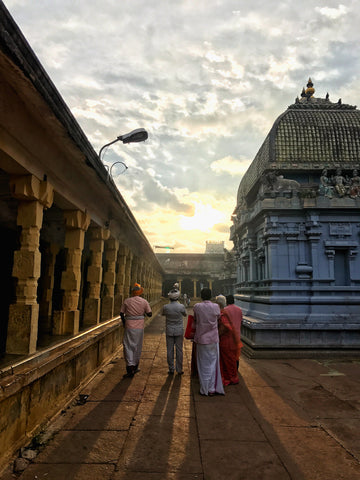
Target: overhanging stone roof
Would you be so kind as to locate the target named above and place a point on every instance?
(311, 134)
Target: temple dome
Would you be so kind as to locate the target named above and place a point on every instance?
(312, 134)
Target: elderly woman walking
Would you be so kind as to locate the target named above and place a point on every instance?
(174, 313)
(229, 345)
(206, 315)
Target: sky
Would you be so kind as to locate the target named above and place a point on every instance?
(206, 79)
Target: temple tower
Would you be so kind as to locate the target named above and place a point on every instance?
(296, 231)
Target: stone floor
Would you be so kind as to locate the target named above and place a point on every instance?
(287, 419)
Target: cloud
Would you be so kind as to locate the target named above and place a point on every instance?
(333, 13)
(230, 165)
(222, 228)
(207, 82)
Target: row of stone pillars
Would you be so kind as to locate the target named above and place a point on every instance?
(194, 280)
(108, 278)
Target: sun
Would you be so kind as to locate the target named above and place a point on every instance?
(204, 218)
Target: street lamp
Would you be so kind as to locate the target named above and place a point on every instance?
(138, 135)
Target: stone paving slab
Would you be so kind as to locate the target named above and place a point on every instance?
(68, 472)
(318, 455)
(241, 461)
(102, 416)
(343, 388)
(177, 386)
(157, 476)
(83, 447)
(162, 444)
(345, 431)
(319, 402)
(274, 409)
(182, 406)
(124, 390)
(224, 421)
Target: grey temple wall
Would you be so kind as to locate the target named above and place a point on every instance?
(298, 272)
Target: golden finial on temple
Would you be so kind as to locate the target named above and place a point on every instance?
(310, 89)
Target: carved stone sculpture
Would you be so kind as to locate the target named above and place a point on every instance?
(277, 183)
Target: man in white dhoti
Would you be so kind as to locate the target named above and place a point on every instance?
(132, 313)
(206, 316)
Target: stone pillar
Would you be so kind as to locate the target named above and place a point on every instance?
(271, 237)
(107, 303)
(45, 308)
(330, 252)
(140, 275)
(194, 286)
(159, 286)
(135, 271)
(120, 294)
(146, 281)
(313, 233)
(292, 244)
(252, 263)
(94, 278)
(128, 273)
(238, 270)
(33, 196)
(66, 320)
(154, 286)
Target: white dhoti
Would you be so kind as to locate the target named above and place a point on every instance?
(177, 342)
(208, 365)
(133, 342)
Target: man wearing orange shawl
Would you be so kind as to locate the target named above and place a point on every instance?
(229, 345)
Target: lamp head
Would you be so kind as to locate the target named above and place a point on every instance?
(138, 135)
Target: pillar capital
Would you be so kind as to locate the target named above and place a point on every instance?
(30, 188)
(99, 233)
(112, 243)
(76, 219)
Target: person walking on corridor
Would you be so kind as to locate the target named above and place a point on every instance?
(229, 345)
(132, 313)
(235, 315)
(206, 315)
(174, 313)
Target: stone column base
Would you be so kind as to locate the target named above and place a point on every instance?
(107, 308)
(91, 312)
(118, 300)
(22, 329)
(66, 322)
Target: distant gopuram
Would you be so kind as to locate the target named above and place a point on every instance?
(296, 233)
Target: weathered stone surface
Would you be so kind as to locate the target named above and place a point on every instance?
(22, 329)
(162, 443)
(58, 471)
(241, 460)
(83, 447)
(28, 453)
(317, 455)
(20, 464)
(102, 416)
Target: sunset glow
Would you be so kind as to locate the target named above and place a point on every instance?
(204, 218)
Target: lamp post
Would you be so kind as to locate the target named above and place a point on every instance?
(138, 135)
